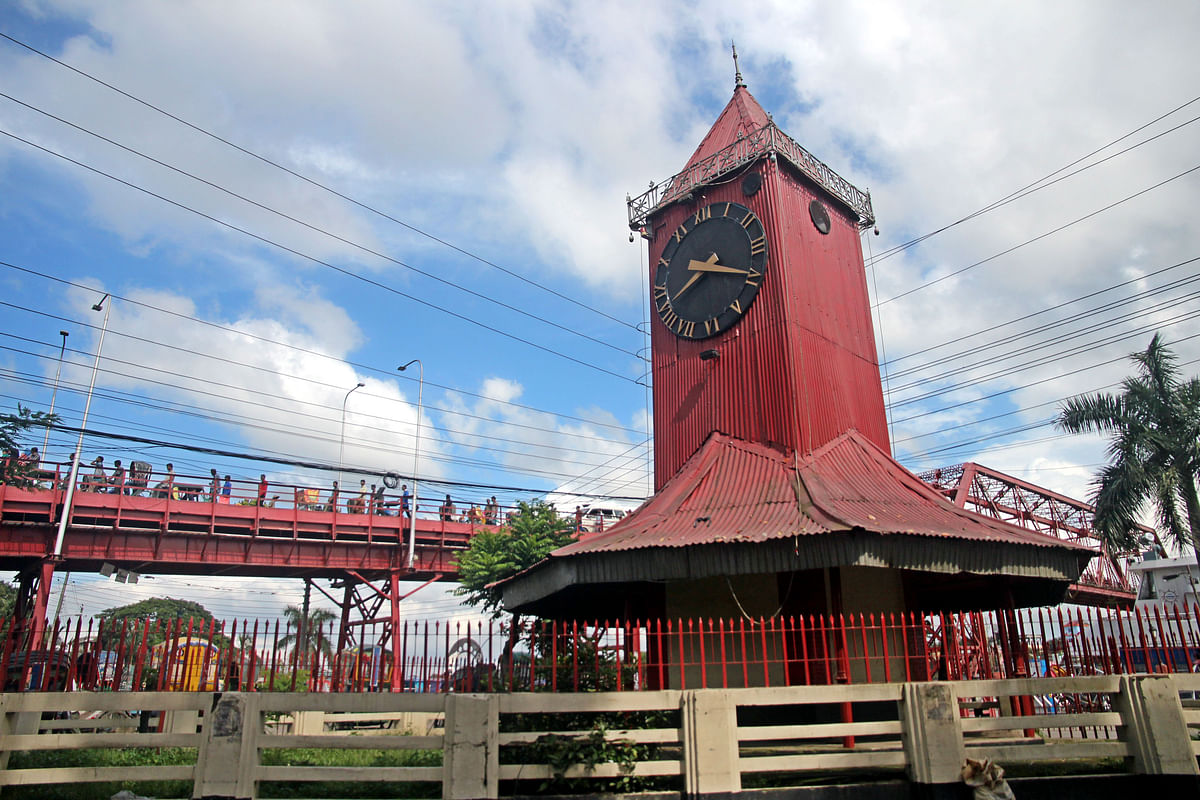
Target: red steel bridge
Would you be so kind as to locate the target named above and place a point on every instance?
(181, 529)
(1105, 582)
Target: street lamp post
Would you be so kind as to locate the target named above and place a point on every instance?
(66, 511)
(54, 394)
(412, 526)
(342, 448)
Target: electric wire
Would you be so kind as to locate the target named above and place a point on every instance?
(1091, 311)
(287, 345)
(1031, 384)
(275, 398)
(1037, 238)
(1050, 358)
(327, 264)
(311, 181)
(306, 464)
(1091, 327)
(1041, 183)
(378, 254)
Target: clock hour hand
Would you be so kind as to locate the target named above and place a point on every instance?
(711, 265)
(700, 268)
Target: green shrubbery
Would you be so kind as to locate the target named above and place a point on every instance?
(172, 756)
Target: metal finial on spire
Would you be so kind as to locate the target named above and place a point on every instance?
(738, 83)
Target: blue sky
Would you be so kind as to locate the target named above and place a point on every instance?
(513, 132)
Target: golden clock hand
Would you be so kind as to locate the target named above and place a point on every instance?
(685, 287)
(706, 266)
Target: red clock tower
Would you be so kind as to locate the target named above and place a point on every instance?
(763, 322)
(775, 490)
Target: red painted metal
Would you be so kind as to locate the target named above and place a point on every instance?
(800, 368)
(737, 491)
(1105, 581)
(169, 536)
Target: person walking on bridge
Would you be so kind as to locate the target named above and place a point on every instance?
(262, 489)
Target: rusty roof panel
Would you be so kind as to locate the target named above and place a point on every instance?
(734, 491)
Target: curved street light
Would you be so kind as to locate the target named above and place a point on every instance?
(412, 526)
(342, 447)
(54, 394)
(66, 512)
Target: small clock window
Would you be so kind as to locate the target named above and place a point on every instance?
(820, 217)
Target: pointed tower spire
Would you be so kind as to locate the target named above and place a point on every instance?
(738, 83)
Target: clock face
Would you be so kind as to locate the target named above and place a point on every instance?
(710, 270)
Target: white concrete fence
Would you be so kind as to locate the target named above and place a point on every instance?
(712, 740)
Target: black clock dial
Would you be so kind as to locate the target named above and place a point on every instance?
(710, 270)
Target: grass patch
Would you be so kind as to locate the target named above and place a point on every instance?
(102, 757)
(178, 756)
(315, 757)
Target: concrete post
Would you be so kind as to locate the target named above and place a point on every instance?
(308, 723)
(1154, 725)
(15, 723)
(181, 721)
(710, 743)
(932, 732)
(228, 757)
(471, 760)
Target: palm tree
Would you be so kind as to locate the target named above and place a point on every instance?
(1153, 452)
(306, 632)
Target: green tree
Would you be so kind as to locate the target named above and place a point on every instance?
(532, 533)
(13, 470)
(306, 633)
(1153, 450)
(535, 530)
(157, 609)
(8, 600)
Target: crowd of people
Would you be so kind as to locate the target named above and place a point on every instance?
(487, 514)
(138, 480)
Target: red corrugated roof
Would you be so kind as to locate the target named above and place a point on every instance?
(737, 491)
(742, 116)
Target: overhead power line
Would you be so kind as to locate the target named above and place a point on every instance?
(1044, 181)
(312, 182)
(301, 463)
(293, 347)
(378, 254)
(270, 372)
(1047, 310)
(1039, 237)
(329, 265)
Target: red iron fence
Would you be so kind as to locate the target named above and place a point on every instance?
(436, 656)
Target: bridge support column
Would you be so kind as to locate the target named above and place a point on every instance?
(33, 597)
(397, 682)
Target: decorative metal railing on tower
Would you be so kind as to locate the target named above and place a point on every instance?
(1105, 581)
(766, 140)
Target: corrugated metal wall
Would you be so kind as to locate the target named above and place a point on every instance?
(800, 368)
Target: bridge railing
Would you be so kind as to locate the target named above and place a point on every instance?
(364, 498)
(634, 655)
(695, 742)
